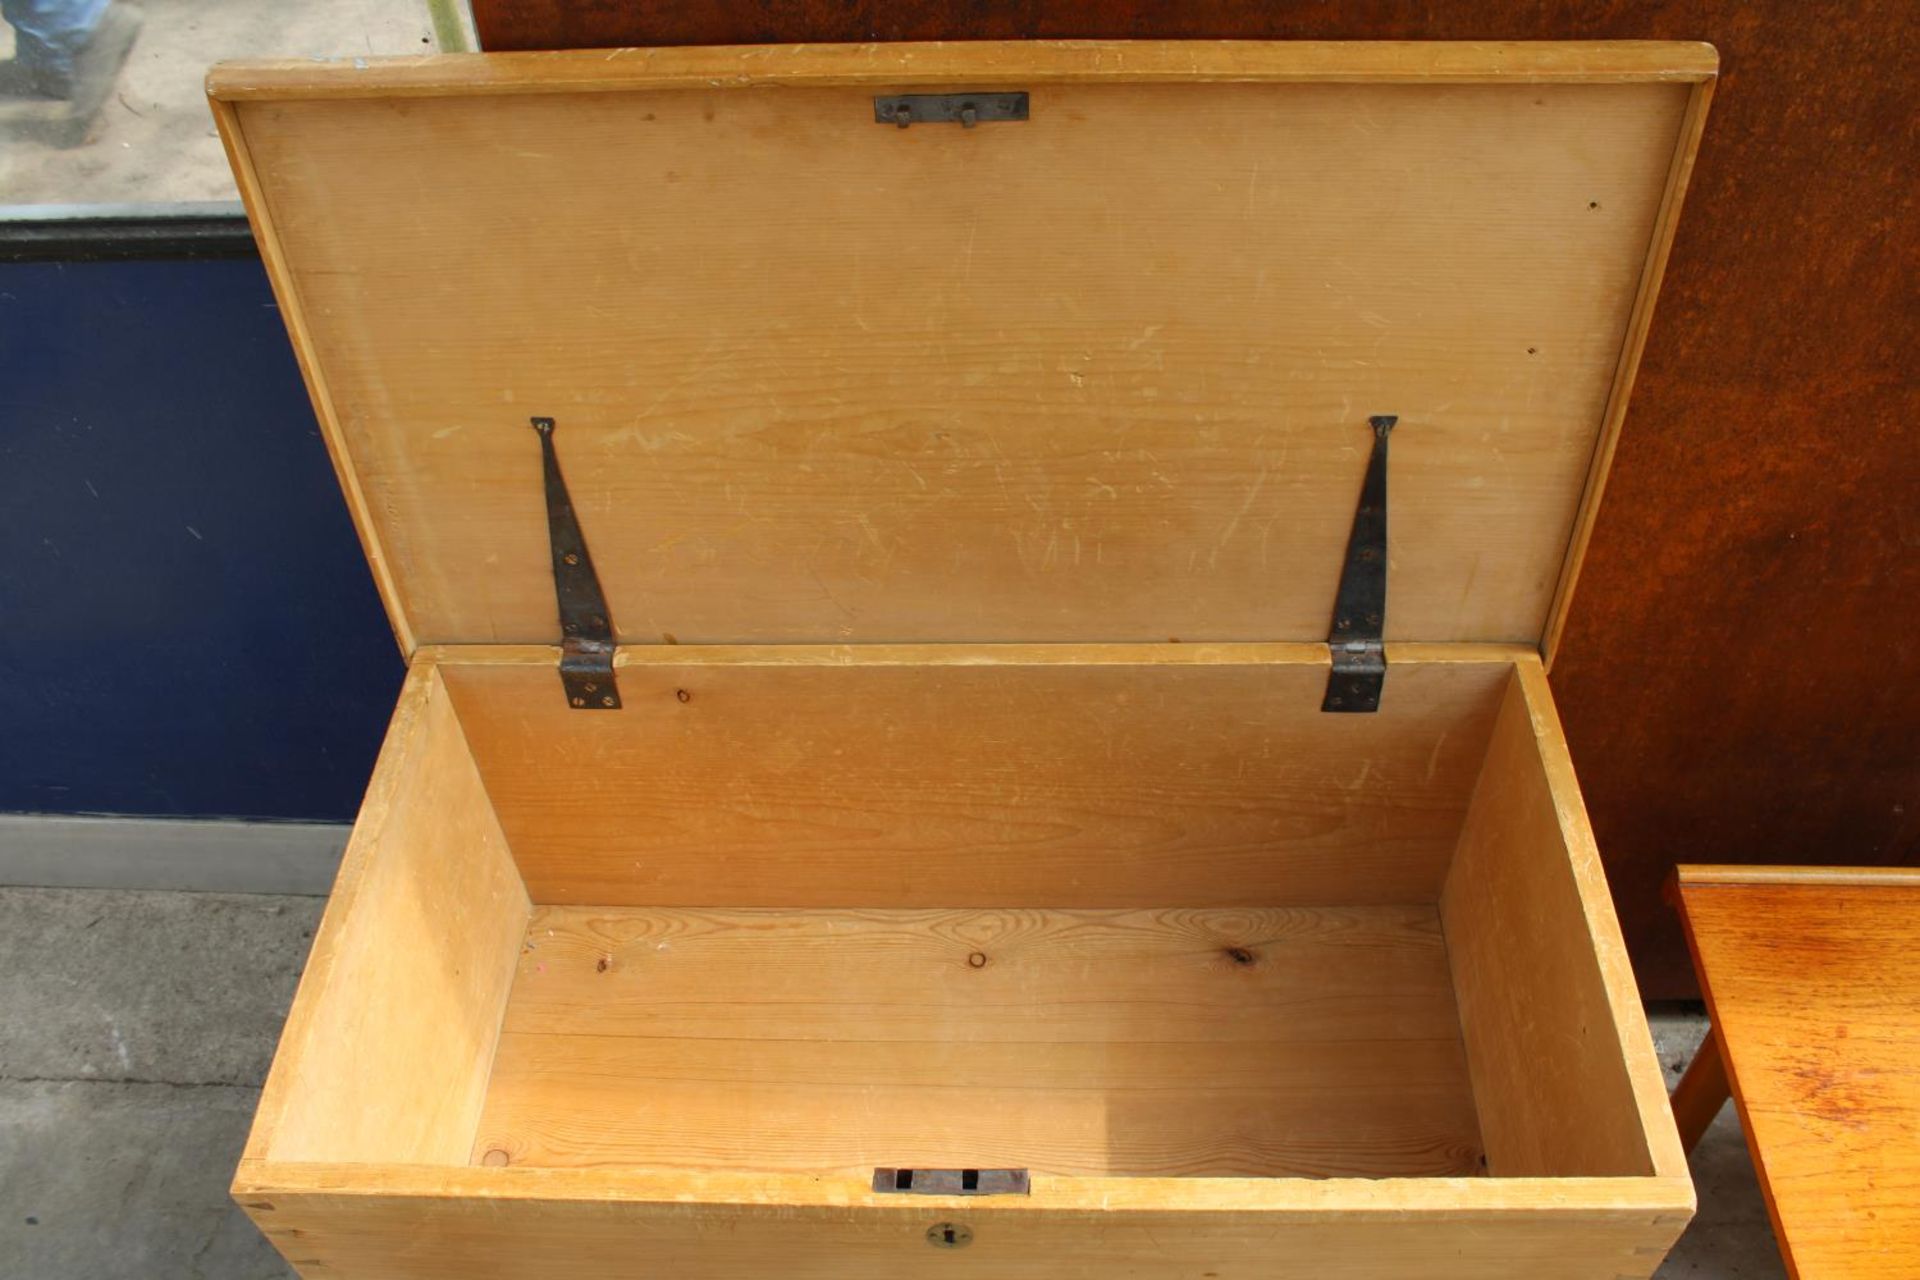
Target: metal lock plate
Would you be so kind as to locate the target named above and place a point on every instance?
(967, 109)
(952, 1182)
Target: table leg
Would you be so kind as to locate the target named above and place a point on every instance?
(1702, 1091)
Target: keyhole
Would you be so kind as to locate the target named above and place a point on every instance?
(949, 1235)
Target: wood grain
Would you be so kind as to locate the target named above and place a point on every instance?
(387, 1049)
(1814, 990)
(853, 61)
(980, 776)
(1563, 1070)
(566, 1224)
(1316, 1042)
(818, 380)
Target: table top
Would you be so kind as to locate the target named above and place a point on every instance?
(1812, 977)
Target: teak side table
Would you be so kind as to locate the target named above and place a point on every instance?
(1812, 977)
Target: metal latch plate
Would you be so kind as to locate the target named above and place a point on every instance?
(967, 109)
(952, 1182)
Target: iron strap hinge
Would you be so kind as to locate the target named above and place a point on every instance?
(586, 628)
(1360, 606)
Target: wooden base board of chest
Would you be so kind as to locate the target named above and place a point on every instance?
(978, 621)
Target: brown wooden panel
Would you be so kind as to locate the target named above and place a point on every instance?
(1738, 676)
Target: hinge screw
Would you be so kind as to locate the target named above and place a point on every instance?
(578, 702)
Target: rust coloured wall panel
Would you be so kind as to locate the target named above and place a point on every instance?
(1739, 673)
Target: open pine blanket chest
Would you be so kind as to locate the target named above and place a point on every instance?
(978, 619)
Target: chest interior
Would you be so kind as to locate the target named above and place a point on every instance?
(1137, 913)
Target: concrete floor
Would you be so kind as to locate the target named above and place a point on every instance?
(154, 140)
(136, 1027)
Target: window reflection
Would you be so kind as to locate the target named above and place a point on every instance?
(101, 101)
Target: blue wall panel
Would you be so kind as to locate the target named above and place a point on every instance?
(187, 626)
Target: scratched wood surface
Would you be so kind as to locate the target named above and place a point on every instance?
(1813, 983)
(1103, 375)
(1315, 1042)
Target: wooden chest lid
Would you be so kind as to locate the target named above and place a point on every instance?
(1101, 374)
